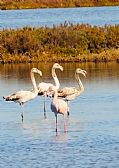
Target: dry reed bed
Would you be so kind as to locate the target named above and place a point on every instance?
(63, 43)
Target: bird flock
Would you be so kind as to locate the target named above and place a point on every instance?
(59, 97)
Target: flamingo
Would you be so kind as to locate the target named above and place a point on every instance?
(58, 105)
(23, 96)
(43, 87)
(70, 93)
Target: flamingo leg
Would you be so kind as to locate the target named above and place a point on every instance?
(68, 108)
(45, 107)
(56, 123)
(65, 124)
(22, 112)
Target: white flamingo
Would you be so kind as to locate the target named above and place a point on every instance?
(70, 93)
(58, 106)
(43, 87)
(23, 96)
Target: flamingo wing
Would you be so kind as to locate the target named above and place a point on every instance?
(67, 91)
(43, 87)
(21, 96)
(54, 106)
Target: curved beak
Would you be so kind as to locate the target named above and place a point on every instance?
(84, 72)
(61, 68)
(39, 72)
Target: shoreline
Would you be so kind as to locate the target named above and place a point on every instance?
(104, 57)
(56, 7)
(41, 4)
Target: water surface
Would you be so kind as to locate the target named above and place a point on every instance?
(93, 125)
(99, 16)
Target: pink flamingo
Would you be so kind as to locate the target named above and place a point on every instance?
(58, 106)
(43, 87)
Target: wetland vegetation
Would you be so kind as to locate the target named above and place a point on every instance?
(63, 43)
(29, 4)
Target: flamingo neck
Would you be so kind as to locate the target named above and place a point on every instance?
(57, 84)
(34, 82)
(55, 94)
(81, 87)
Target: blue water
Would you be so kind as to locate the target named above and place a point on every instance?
(47, 17)
(92, 140)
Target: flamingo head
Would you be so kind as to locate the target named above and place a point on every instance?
(51, 91)
(81, 71)
(57, 66)
(35, 70)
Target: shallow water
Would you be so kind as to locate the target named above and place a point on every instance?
(99, 16)
(92, 139)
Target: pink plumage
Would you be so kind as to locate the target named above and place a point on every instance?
(43, 87)
(58, 106)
